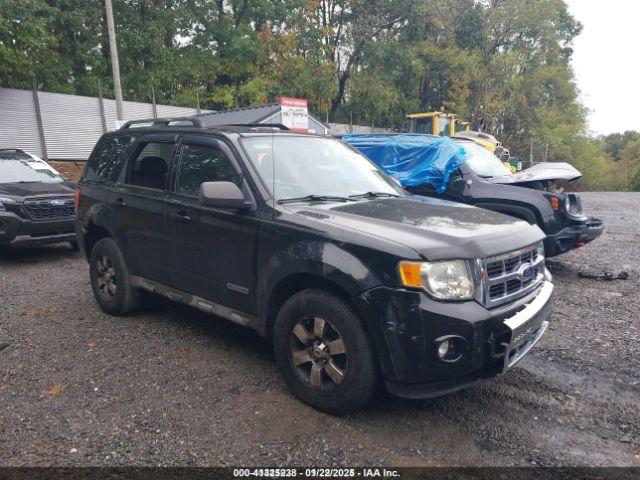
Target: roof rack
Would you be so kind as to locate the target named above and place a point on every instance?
(278, 126)
(196, 122)
(156, 122)
(17, 150)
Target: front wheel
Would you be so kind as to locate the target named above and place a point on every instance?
(324, 352)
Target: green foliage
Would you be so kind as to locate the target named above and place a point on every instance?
(505, 62)
(616, 142)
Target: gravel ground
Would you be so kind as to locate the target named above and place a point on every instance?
(174, 386)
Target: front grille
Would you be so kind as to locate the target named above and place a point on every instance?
(512, 275)
(50, 209)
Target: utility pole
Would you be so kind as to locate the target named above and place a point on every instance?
(153, 102)
(115, 66)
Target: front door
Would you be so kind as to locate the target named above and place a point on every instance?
(139, 200)
(213, 249)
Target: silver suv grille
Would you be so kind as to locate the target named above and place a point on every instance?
(507, 277)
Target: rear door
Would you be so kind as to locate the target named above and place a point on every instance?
(139, 200)
(212, 253)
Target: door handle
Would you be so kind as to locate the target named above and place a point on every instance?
(120, 202)
(181, 216)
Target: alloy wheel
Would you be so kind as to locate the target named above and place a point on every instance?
(318, 353)
(106, 277)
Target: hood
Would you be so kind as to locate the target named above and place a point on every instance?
(436, 229)
(35, 189)
(540, 172)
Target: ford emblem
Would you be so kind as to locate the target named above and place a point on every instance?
(58, 202)
(526, 272)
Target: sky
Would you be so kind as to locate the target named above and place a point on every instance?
(606, 63)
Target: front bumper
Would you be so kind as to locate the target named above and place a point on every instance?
(405, 325)
(573, 236)
(15, 230)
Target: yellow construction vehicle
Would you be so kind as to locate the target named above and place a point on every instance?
(447, 125)
(437, 123)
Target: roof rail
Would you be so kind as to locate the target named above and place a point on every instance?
(17, 150)
(196, 122)
(156, 122)
(278, 126)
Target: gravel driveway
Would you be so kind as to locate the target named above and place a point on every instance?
(173, 386)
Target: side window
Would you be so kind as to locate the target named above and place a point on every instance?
(199, 164)
(150, 165)
(107, 157)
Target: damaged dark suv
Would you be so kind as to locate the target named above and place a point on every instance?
(535, 195)
(355, 283)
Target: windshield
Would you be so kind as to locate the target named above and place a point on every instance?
(482, 162)
(15, 168)
(315, 166)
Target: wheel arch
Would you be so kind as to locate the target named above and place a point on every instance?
(292, 284)
(93, 233)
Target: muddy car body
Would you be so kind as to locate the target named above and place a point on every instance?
(353, 280)
(533, 195)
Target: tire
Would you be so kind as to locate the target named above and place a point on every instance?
(74, 245)
(315, 369)
(110, 279)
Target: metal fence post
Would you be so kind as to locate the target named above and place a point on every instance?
(103, 117)
(154, 109)
(36, 104)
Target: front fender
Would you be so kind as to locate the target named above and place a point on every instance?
(320, 258)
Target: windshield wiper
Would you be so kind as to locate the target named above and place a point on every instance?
(373, 195)
(314, 198)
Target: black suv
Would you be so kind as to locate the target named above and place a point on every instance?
(36, 202)
(354, 281)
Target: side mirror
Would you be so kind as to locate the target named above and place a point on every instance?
(221, 195)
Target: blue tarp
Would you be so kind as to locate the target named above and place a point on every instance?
(413, 159)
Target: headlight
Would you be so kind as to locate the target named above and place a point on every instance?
(444, 280)
(5, 201)
(540, 249)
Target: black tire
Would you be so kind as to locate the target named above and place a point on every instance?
(359, 379)
(106, 263)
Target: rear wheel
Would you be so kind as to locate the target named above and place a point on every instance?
(324, 353)
(110, 279)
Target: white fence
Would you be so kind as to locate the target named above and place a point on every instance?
(57, 126)
(65, 127)
(345, 128)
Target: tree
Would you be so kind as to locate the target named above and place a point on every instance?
(629, 165)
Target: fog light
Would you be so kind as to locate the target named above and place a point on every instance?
(450, 348)
(443, 349)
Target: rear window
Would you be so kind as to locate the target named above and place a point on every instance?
(107, 158)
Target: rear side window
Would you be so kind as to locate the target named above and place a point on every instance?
(151, 165)
(200, 164)
(107, 158)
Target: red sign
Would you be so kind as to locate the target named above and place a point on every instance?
(293, 102)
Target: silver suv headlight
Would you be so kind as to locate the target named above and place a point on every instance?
(444, 280)
(5, 201)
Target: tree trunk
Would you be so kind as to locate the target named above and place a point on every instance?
(342, 83)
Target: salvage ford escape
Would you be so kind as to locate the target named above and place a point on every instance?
(355, 282)
(36, 203)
